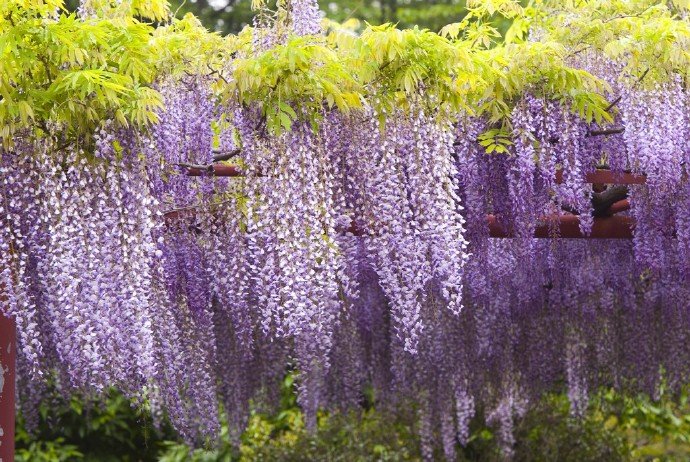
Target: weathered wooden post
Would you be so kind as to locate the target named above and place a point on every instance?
(8, 349)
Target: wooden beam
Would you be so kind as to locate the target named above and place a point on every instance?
(221, 170)
(8, 351)
(602, 176)
(599, 176)
(568, 227)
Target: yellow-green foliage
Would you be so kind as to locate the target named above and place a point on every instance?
(304, 71)
(647, 36)
(68, 75)
(64, 76)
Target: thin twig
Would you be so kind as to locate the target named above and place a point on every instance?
(220, 157)
(615, 102)
(218, 73)
(610, 131)
(208, 167)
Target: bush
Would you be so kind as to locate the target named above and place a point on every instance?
(83, 429)
(616, 428)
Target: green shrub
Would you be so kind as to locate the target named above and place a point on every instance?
(616, 428)
(98, 431)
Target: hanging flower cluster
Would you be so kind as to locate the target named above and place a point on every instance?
(306, 17)
(382, 247)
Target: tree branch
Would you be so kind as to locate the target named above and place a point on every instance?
(615, 102)
(220, 157)
(603, 201)
(218, 73)
(610, 131)
(208, 168)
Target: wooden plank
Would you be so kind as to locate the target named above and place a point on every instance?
(599, 176)
(608, 177)
(568, 227)
(220, 170)
(8, 351)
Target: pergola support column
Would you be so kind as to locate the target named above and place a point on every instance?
(8, 351)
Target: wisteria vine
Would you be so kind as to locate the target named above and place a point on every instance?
(353, 251)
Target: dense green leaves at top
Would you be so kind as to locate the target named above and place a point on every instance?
(65, 76)
(60, 74)
(303, 71)
(649, 37)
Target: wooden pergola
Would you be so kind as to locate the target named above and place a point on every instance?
(608, 225)
(567, 225)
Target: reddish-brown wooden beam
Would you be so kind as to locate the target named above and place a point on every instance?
(8, 347)
(608, 177)
(613, 227)
(221, 170)
(596, 176)
(568, 226)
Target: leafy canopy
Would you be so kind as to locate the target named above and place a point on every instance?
(63, 76)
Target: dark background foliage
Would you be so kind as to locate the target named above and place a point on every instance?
(615, 428)
(230, 16)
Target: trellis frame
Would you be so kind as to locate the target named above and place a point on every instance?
(563, 226)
